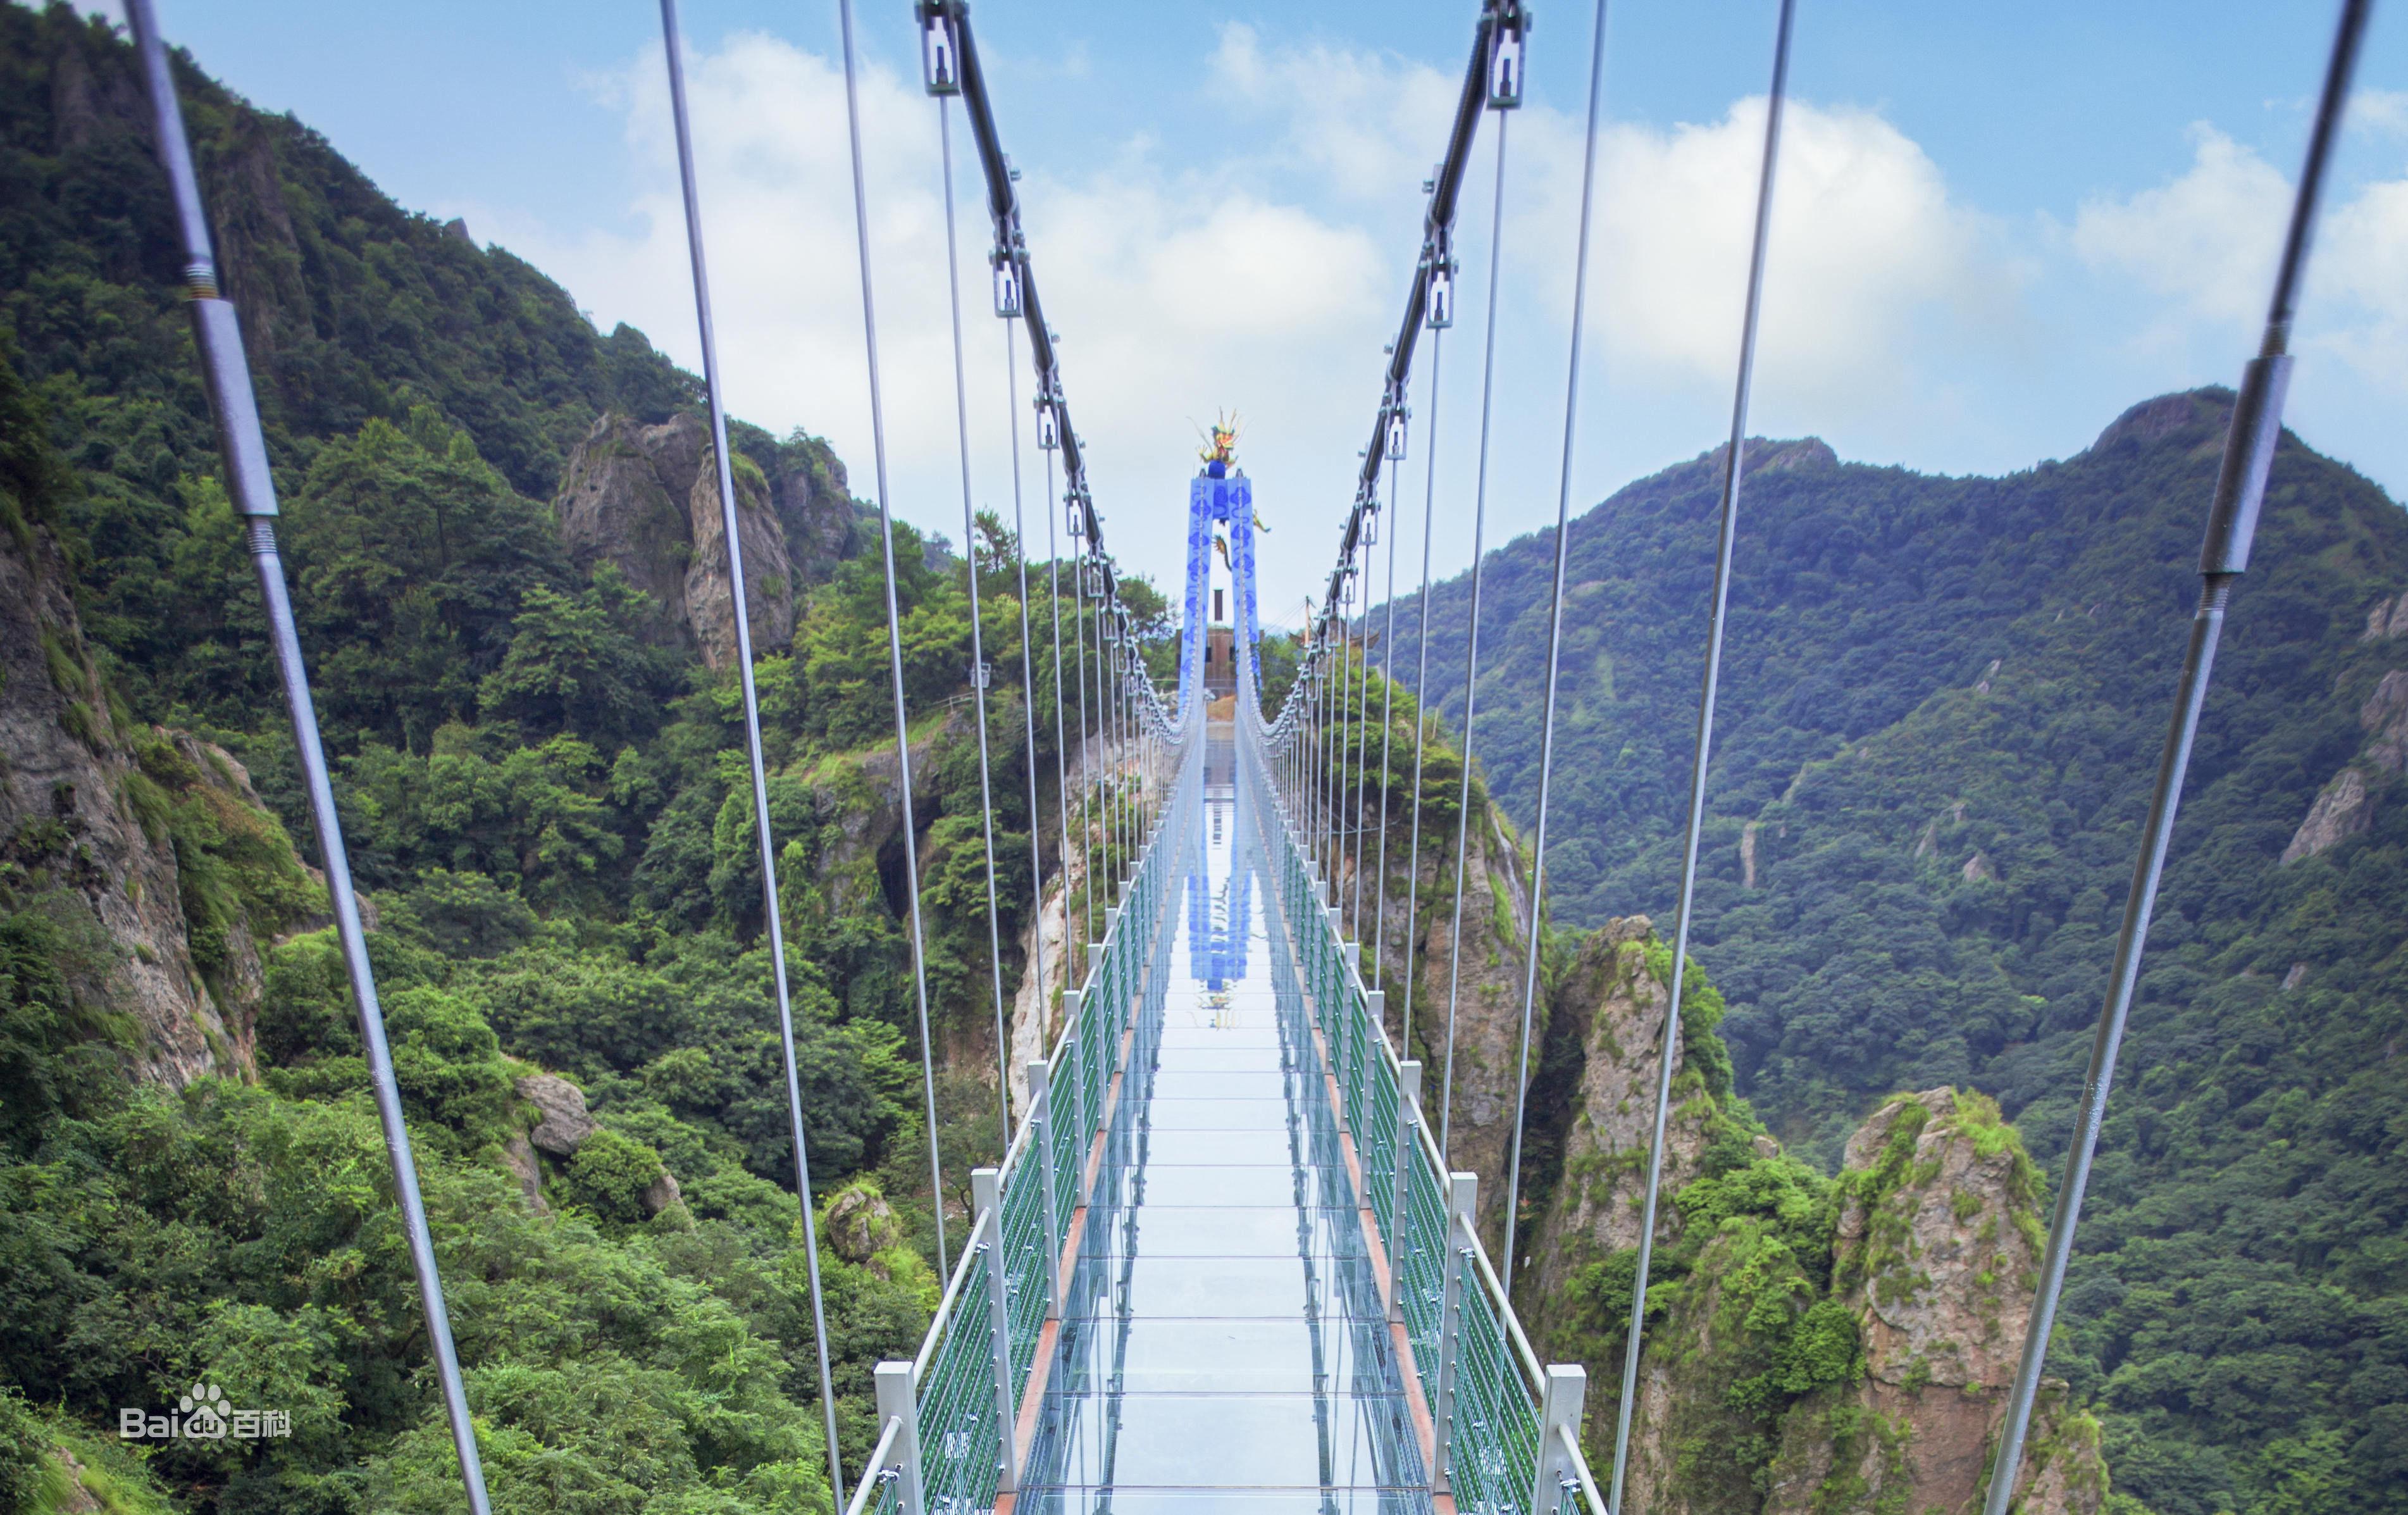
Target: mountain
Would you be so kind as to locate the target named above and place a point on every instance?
(1940, 714)
(505, 560)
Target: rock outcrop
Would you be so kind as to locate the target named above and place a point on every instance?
(2342, 810)
(1488, 1006)
(1614, 1000)
(2345, 806)
(2385, 719)
(1937, 1247)
(564, 1125)
(2388, 618)
(1813, 1346)
(159, 837)
(646, 499)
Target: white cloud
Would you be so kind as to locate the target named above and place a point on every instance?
(2206, 242)
(2379, 111)
(1174, 289)
(2362, 259)
(1865, 242)
(1263, 270)
(1368, 124)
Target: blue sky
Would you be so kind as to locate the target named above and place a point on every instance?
(1995, 227)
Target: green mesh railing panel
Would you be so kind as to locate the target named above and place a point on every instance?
(1025, 1243)
(1093, 1074)
(1376, 1143)
(1421, 1270)
(1069, 1133)
(1493, 1451)
(961, 1452)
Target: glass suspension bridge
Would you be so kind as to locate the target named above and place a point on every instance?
(1225, 1260)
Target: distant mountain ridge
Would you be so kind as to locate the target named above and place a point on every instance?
(1942, 709)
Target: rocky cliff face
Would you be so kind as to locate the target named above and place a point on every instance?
(1487, 1002)
(1813, 1345)
(646, 498)
(1612, 1001)
(2345, 806)
(1938, 1245)
(159, 837)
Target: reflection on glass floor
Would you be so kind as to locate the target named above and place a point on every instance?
(1222, 1343)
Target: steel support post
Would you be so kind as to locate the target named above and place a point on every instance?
(1462, 1195)
(1559, 1410)
(897, 1403)
(986, 1198)
(1400, 1189)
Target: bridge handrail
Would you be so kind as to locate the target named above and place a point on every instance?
(965, 1384)
(878, 1490)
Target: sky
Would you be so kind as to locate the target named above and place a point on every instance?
(1994, 229)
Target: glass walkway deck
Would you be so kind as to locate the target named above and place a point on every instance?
(1175, 1296)
(1222, 1341)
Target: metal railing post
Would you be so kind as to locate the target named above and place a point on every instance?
(1462, 1195)
(897, 1403)
(1041, 1142)
(1559, 1410)
(1400, 1189)
(986, 1198)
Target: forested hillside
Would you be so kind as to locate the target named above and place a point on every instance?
(1941, 706)
(501, 535)
(1941, 715)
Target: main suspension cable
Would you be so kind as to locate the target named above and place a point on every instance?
(242, 453)
(741, 611)
(1472, 654)
(2249, 448)
(980, 672)
(1554, 641)
(1733, 465)
(894, 625)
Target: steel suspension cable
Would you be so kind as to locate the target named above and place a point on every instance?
(1028, 701)
(1333, 736)
(894, 622)
(1554, 639)
(2249, 449)
(1387, 729)
(980, 672)
(741, 611)
(1115, 755)
(1086, 749)
(1061, 754)
(1471, 651)
(1733, 467)
(1362, 741)
(1421, 703)
(1340, 724)
(242, 452)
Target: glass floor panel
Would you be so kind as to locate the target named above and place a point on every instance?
(1223, 1345)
